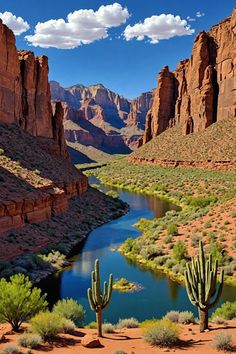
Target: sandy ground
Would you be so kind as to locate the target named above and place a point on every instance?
(128, 340)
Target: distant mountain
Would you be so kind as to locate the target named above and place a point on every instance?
(97, 119)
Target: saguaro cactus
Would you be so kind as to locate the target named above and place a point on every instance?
(97, 300)
(201, 284)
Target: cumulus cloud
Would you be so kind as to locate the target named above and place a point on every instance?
(191, 19)
(16, 24)
(156, 28)
(200, 14)
(81, 27)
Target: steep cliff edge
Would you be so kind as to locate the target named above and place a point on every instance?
(37, 178)
(118, 122)
(202, 90)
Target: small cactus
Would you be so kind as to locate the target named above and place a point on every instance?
(97, 300)
(201, 285)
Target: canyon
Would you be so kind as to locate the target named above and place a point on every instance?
(202, 89)
(37, 177)
(95, 116)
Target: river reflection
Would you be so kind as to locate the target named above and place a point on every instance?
(159, 294)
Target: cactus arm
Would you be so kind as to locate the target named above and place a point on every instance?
(91, 300)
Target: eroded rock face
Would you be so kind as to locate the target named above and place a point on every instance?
(106, 110)
(202, 90)
(25, 96)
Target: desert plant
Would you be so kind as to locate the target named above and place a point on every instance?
(19, 301)
(92, 325)
(172, 229)
(201, 285)
(68, 326)
(108, 328)
(120, 352)
(97, 300)
(163, 333)
(29, 340)
(226, 311)
(172, 316)
(186, 317)
(11, 349)
(128, 323)
(47, 325)
(223, 341)
(70, 309)
(180, 251)
(218, 320)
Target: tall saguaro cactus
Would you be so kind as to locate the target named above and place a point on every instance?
(201, 284)
(97, 300)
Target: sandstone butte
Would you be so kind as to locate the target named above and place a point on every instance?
(26, 109)
(121, 121)
(202, 89)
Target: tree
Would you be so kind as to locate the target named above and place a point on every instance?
(97, 300)
(180, 251)
(19, 301)
(201, 285)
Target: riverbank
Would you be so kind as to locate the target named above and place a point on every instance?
(64, 233)
(208, 206)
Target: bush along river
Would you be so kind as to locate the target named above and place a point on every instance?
(157, 293)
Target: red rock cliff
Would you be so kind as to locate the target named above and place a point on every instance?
(202, 90)
(25, 91)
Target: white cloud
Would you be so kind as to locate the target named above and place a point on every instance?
(16, 24)
(160, 27)
(81, 27)
(200, 14)
(191, 19)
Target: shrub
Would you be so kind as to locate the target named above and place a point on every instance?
(222, 341)
(172, 229)
(68, 325)
(172, 316)
(92, 325)
(29, 340)
(163, 333)
(120, 352)
(47, 325)
(113, 194)
(19, 301)
(186, 317)
(108, 328)
(128, 245)
(128, 323)
(226, 311)
(55, 258)
(218, 320)
(151, 251)
(69, 309)
(10, 349)
(180, 251)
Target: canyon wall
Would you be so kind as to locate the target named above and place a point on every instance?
(36, 175)
(202, 89)
(121, 120)
(25, 97)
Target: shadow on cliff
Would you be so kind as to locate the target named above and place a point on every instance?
(34, 155)
(78, 157)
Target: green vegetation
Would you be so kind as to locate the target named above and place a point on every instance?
(128, 323)
(29, 340)
(223, 341)
(196, 192)
(47, 324)
(226, 311)
(11, 349)
(163, 333)
(69, 309)
(183, 317)
(19, 301)
(98, 300)
(201, 285)
(108, 328)
(125, 286)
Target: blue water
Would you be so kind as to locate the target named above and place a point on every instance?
(158, 295)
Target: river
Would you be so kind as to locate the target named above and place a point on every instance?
(158, 295)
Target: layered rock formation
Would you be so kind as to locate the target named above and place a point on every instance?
(25, 92)
(37, 179)
(121, 121)
(202, 90)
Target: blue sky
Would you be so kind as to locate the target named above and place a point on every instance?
(128, 67)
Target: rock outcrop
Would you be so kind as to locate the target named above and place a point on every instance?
(37, 178)
(25, 91)
(202, 90)
(121, 120)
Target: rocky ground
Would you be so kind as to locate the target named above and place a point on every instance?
(128, 340)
